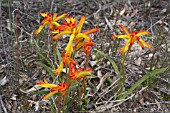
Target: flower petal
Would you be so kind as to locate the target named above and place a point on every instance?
(44, 14)
(91, 31)
(142, 32)
(124, 29)
(59, 17)
(141, 44)
(125, 47)
(81, 35)
(60, 34)
(121, 36)
(59, 69)
(56, 23)
(81, 24)
(81, 44)
(83, 74)
(46, 85)
(145, 44)
(50, 94)
(69, 48)
(36, 32)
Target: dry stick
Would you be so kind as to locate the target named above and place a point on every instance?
(51, 9)
(17, 49)
(2, 104)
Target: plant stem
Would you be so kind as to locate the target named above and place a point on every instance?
(83, 81)
(54, 52)
(121, 82)
(58, 105)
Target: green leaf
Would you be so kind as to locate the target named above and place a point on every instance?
(52, 108)
(92, 76)
(114, 65)
(44, 92)
(46, 59)
(111, 61)
(59, 56)
(47, 69)
(145, 77)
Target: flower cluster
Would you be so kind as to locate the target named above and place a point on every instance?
(132, 37)
(77, 40)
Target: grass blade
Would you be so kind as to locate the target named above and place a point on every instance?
(145, 77)
(47, 69)
(111, 61)
(52, 108)
(58, 55)
(46, 59)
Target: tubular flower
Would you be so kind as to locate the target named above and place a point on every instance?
(71, 28)
(49, 19)
(85, 46)
(60, 88)
(65, 61)
(79, 73)
(132, 37)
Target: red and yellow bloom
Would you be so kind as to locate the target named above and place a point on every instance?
(65, 61)
(71, 28)
(49, 19)
(132, 37)
(85, 45)
(60, 88)
(77, 74)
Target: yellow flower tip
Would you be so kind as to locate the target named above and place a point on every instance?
(114, 36)
(55, 38)
(35, 33)
(121, 25)
(83, 17)
(44, 97)
(65, 14)
(44, 14)
(143, 31)
(142, 47)
(122, 51)
(150, 47)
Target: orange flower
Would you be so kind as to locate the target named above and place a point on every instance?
(79, 73)
(60, 88)
(65, 61)
(132, 37)
(48, 19)
(71, 28)
(85, 46)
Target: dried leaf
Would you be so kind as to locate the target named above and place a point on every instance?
(122, 11)
(99, 74)
(142, 101)
(34, 88)
(102, 81)
(93, 63)
(13, 97)
(3, 81)
(158, 104)
(138, 62)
